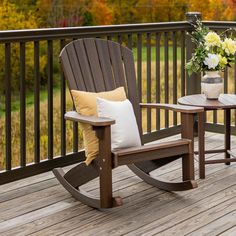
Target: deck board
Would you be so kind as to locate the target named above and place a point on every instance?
(40, 206)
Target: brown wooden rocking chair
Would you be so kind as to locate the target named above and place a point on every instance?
(96, 65)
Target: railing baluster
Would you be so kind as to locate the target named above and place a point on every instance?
(149, 83)
(175, 88)
(36, 104)
(22, 107)
(139, 69)
(130, 41)
(75, 134)
(183, 76)
(50, 99)
(8, 104)
(158, 80)
(166, 55)
(139, 65)
(63, 108)
(119, 39)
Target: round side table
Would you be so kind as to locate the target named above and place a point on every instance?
(225, 102)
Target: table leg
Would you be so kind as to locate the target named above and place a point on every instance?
(227, 134)
(201, 144)
(187, 121)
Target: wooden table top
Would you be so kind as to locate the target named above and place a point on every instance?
(225, 101)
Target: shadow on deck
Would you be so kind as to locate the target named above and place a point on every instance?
(40, 206)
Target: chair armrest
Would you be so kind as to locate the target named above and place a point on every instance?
(92, 120)
(173, 107)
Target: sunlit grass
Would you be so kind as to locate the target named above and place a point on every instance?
(153, 53)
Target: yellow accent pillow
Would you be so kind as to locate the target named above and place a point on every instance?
(86, 104)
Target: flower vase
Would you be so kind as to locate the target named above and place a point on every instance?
(212, 84)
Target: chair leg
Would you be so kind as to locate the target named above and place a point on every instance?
(187, 121)
(188, 167)
(188, 164)
(105, 168)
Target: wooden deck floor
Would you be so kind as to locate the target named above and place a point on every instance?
(40, 206)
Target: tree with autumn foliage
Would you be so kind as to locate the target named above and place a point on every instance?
(162, 10)
(125, 12)
(13, 18)
(212, 9)
(140, 11)
(65, 13)
(105, 12)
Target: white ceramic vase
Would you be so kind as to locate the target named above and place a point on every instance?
(212, 84)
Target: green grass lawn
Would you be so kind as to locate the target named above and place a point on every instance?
(153, 53)
(29, 100)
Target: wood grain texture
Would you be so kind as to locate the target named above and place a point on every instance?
(224, 101)
(151, 147)
(46, 209)
(173, 107)
(105, 166)
(92, 120)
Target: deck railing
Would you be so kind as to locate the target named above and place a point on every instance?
(44, 140)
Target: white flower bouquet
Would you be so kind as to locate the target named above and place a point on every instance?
(213, 52)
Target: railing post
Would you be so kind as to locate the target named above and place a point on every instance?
(193, 84)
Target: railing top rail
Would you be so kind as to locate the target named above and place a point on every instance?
(221, 25)
(68, 32)
(57, 33)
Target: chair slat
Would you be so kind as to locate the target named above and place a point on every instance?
(131, 82)
(105, 62)
(67, 68)
(84, 65)
(117, 64)
(73, 57)
(94, 65)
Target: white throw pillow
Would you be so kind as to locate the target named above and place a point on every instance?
(124, 133)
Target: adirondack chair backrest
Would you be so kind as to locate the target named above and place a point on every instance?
(97, 65)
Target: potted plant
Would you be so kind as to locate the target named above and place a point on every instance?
(213, 52)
